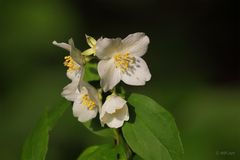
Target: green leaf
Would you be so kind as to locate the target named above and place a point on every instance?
(121, 91)
(91, 73)
(95, 127)
(151, 132)
(87, 152)
(136, 157)
(121, 152)
(101, 152)
(36, 145)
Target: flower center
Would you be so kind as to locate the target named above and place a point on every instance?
(86, 101)
(123, 61)
(70, 63)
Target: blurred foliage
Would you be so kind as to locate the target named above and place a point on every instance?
(36, 144)
(191, 56)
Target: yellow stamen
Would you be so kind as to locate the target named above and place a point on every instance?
(86, 101)
(69, 62)
(123, 61)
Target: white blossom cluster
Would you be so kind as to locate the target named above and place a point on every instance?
(119, 60)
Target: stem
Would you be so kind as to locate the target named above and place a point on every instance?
(129, 151)
(120, 140)
(117, 136)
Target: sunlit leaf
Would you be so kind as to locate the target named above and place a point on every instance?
(151, 132)
(101, 152)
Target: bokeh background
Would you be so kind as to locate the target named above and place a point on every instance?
(193, 57)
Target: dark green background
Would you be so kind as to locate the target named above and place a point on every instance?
(192, 56)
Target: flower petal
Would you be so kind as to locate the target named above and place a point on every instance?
(113, 103)
(136, 44)
(73, 74)
(137, 74)
(70, 91)
(114, 111)
(89, 52)
(75, 53)
(110, 75)
(92, 92)
(82, 112)
(62, 45)
(106, 48)
(90, 40)
(117, 119)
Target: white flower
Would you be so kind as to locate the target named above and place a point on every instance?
(74, 62)
(70, 91)
(114, 112)
(121, 60)
(86, 103)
